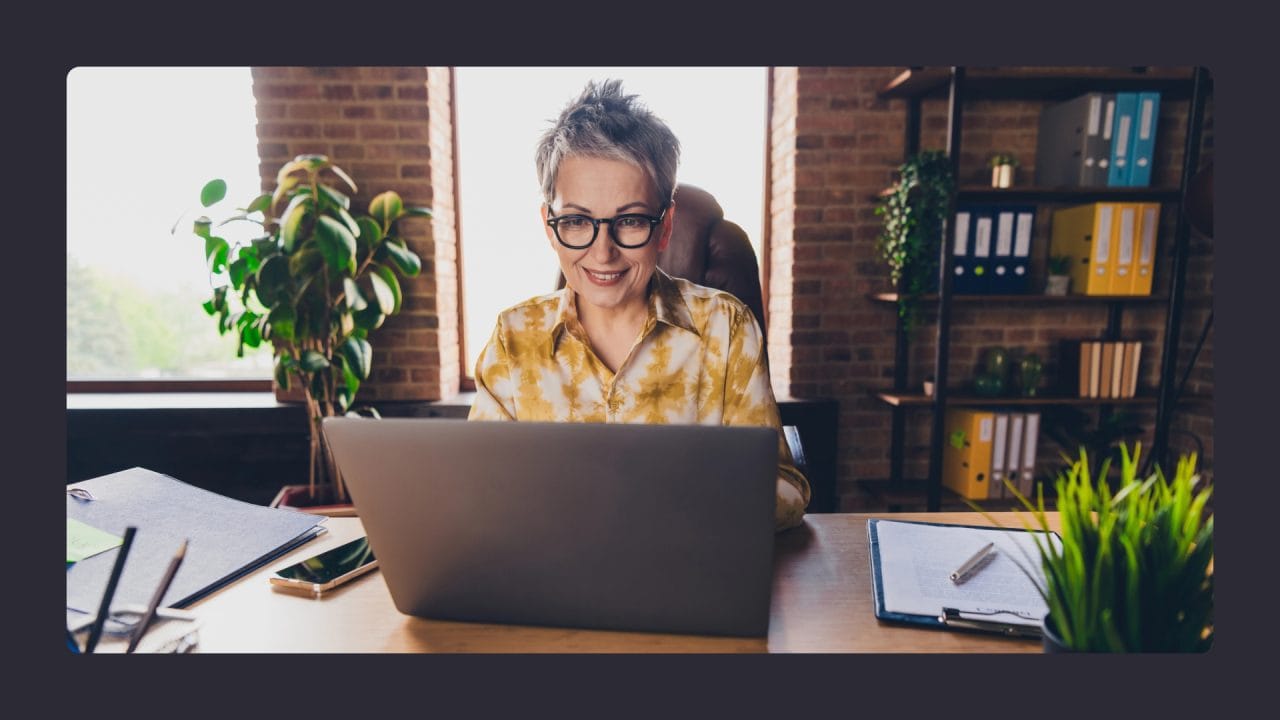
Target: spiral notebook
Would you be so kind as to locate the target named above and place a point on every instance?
(911, 567)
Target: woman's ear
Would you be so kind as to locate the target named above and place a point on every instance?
(668, 224)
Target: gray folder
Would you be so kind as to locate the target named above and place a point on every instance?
(1073, 145)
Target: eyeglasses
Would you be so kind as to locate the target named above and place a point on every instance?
(629, 231)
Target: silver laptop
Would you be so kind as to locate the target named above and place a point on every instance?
(664, 528)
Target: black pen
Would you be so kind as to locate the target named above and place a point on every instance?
(165, 582)
(974, 564)
(95, 631)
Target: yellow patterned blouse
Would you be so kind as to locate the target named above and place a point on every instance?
(699, 360)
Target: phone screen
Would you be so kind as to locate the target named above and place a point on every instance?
(330, 564)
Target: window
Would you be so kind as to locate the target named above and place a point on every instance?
(141, 142)
(718, 114)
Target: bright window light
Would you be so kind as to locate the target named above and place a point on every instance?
(718, 114)
(141, 142)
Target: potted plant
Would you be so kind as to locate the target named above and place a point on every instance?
(1059, 281)
(1134, 569)
(914, 214)
(313, 285)
(1002, 165)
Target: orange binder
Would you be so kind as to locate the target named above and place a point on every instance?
(1085, 235)
(1145, 249)
(966, 452)
(1125, 233)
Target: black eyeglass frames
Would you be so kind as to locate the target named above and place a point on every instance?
(630, 231)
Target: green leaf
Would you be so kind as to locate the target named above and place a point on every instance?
(359, 356)
(294, 218)
(310, 163)
(283, 187)
(282, 371)
(345, 177)
(305, 262)
(213, 192)
(215, 252)
(405, 259)
(355, 300)
(337, 245)
(313, 361)
(421, 211)
(386, 208)
(282, 319)
(274, 280)
(349, 221)
(335, 197)
(250, 335)
(237, 270)
(261, 204)
(369, 318)
(266, 247)
(386, 289)
(209, 308)
(201, 226)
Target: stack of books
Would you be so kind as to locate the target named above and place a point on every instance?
(1098, 140)
(984, 447)
(1101, 368)
(1111, 246)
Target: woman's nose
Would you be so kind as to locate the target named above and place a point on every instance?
(603, 249)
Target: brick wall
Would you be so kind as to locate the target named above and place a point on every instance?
(834, 145)
(390, 129)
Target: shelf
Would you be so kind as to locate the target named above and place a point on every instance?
(1039, 83)
(912, 494)
(892, 297)
(1031, 193)
(915, 399)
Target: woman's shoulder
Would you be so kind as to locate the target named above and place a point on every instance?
(539, 311)
(707, 303)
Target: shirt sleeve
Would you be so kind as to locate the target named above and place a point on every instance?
(495, 396)
(749, 401)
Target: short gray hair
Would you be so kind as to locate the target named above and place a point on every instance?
(603, 122)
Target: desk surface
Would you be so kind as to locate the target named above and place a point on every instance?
(821, 603)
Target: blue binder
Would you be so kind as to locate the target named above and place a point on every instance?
(1147, 115)
(961, 251)
(1024, 225)
(975, 277)
(1122, 135)
(1001, 278)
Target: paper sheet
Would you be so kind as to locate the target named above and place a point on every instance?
(84, 540)
(916, 562)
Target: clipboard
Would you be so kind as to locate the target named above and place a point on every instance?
(947, 618)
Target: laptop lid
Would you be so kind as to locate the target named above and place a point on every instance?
(665, 528)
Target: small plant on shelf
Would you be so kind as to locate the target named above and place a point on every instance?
(1059, 280)
(1002, 165)
(914, 215)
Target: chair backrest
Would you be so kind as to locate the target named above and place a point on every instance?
(709, 250)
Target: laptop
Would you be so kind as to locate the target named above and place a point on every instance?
(661, 528)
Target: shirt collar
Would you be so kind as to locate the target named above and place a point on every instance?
(666, 305)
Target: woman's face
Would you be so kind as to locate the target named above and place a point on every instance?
(605, 275)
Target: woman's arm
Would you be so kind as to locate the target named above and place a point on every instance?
(495, 396)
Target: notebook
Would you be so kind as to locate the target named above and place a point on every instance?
(663, 528)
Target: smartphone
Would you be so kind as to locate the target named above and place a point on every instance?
(326, 571)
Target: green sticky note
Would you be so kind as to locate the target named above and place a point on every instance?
(86, 541)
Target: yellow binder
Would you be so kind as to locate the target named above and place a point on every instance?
(1125, 237)
(1084, 234)
(1145, 248)
(966, 453)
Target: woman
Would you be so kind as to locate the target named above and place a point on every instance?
(624, 341)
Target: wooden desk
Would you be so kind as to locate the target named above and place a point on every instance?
(821, 603)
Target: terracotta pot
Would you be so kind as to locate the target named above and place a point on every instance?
(298, 497)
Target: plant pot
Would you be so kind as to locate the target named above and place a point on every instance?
(1052, 643)
(298, 497)
(1002, 176)
(1057, 285)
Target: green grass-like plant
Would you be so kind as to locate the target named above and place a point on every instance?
(1133, 572)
